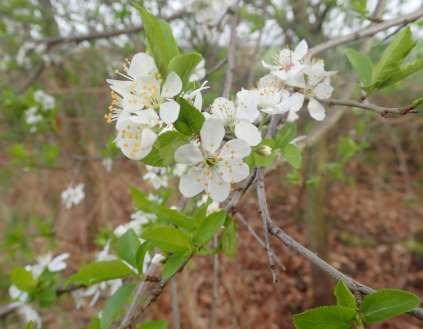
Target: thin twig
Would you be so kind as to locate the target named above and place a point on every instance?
(366, 32)
(258, 239)
(266, 221)
(176, 315)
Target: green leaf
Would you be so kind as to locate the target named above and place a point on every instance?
(30, 325)
(228, 239)
(292, 154)
(127, 247)
(163, 151)
(390, 62)
(141, 252)
(417, 102)
(361, 64)
(23, 279)
(184, 65)
(168, 238)
(94, 323)
(101, 271)
(160, 40)
(344, 297)
(286, 134)
(164, 214)
(155, 324)
(208, 227)
(115, 305)
(406, 71)
(190, 119)
(325, 317)
(388, 303)
(174, 263)
(360, 6)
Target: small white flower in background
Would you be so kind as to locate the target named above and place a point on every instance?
(47, 101)
(288, 64)
(155, 198)
(50, 263)
(270, 90)
(22, 58)
(16, 294)
(107, 163)
(135, 138)
(210, 12)
(29, 314)
(32, 116)
(73, 195)
(138, 219)
(238, 117)
(212, 167)
(157, 176)
(144, 90)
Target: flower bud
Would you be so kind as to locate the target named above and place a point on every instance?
(264, 150)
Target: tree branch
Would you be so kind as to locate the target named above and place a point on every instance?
(366, 32)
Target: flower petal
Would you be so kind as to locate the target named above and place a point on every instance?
(172, 86)
(234, 171)
(293, 102)
(292, 116)
(323, 90)
(146, 117)
(212, 134)
(222, 108)
(248, 132)
(316, 110)
(169, 111)
(142, 65)
(119, 86)
(235, 149)
(246, 105)
(188, 154)
(218, 188)
(301, 50)
(135, 141)
(191, 183)
(198, 101)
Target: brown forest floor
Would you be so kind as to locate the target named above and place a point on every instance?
(370, 221)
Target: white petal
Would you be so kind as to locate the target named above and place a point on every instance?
(292, 116)
(234, 171)
(188, 154)
(172, 86)
(198, 101)
(120, 86)
(301, 50)
(235, 149)
(191, 184)
(218, 188)
(142, 65)
(223, 109)
(248, 132)
(246, 102)
(316, 110)
(135, 141)
(146, 117)
(323, 90)
(212, 134)
(169, 111)
(293, 102)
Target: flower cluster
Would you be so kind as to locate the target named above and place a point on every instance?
(144, 107)
(73, 195)
(44, 103)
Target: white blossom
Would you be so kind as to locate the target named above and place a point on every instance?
(50, 263)
(239, 117)
(157, 176)
(212, 167)
(138, 219)
(29, 314)
(32, 116)
(143, 90)
(47, 101)
(16, 294)
(73, 195)
(270, 91)
(289, 64)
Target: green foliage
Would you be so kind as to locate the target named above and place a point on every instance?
(208, 227)
(361, 64)
(344, 296)
(162, 153)
(23, 279)
(286, 134)
(164, 214)
(359, 6)
(184, 65)
(30, 325)
(174, 263)
(100, 271)
(376, 307)
(228, 241)
(292, 154)
(390, 68)
(387, 303)
(190, 120)
(168, 238)
(127, 247)
(160, 40)
(155, 324)
(116, 304)
(325, 317)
